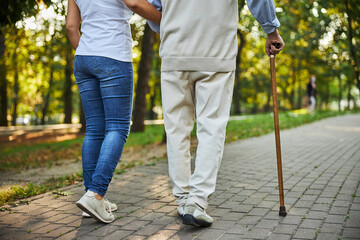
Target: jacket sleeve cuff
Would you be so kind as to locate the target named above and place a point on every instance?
(270, 27)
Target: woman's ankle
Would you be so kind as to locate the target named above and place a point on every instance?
(97, 196)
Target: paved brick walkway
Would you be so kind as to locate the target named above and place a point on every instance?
(321, 163)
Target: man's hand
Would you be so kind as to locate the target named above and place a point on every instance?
(271, 40)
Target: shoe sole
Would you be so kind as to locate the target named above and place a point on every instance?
(85, 215)
(189, 219)
(83, 206)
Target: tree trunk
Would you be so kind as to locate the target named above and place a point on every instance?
(237, 86)
(3, 81)
(292, 86)
(254, 108)
(352, 49)
(340, 93)
(267, 107)
(327, 95)
(143, 80)
(349, 97)
(16, 95)
(299, 102)
(152, 114)
(164, 138)
(47, 97)
(68, 83)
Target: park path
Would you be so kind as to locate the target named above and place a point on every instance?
(321, 164)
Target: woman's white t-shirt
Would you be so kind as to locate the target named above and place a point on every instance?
(105, 29)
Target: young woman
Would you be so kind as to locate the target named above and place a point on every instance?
(104, 74)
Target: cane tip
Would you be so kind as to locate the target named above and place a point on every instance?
(282, 211)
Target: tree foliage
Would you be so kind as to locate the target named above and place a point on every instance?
(322, 38)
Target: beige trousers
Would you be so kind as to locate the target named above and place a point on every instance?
(206, 96)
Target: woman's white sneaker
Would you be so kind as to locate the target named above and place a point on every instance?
(113, 208)
(98, 209)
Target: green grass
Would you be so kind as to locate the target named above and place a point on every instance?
(152, 134)
(40, 154)
(16, 192)
(256, 125)
(45, 154)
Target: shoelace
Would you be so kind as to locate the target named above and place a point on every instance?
(182, 200)
(107, 205)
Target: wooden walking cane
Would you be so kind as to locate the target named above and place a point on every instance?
(282, 211)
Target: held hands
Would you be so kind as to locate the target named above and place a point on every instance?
(274, 43)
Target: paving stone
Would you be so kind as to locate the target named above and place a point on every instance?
(257, 233)
(339, 211)
(218, 211)
(331, 228)
(249, 220)
(135, 237)
(165, 220)
(135, 225)
(118, 234)
(71, 235)
(267, 224)
(327, 236)
(229, 236)
(238, 229)
(162, 235)
(292, 220)
(210, 234)
(46, 229)
(167, 209)
(310, 223)
(19, 235)
(58, 232)
(187, 234)
(104, 231)
(353, 222)
(320, 207)
(152, 216)
(275, 236)
(274, 215)
(351, 233)
(334, 219)
(305, 233)
(149, 230)
(303, 204)
(57, 217)
(298, 211)
(221, 224)
(233, 216)
(316, 215)
(285, 229)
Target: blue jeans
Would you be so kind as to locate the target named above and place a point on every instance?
(106, 90)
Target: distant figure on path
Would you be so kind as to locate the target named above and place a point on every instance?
(104, 74)
(198, 50)
(311, 94)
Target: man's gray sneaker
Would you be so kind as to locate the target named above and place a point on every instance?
(196, 216)
(98, 209)
(113, 208)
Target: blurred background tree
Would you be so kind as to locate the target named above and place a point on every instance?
(322, 38)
